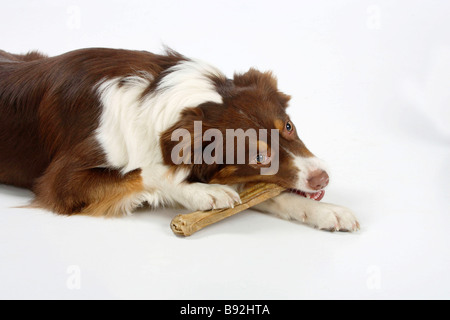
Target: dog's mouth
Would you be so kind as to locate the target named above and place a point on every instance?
(313, 196)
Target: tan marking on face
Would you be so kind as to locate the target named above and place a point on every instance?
(279, 124)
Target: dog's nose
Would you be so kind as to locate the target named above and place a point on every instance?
(318, 180)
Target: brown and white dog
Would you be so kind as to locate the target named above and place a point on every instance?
(91, 132)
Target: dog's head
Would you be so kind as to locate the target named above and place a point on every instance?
(247, 138)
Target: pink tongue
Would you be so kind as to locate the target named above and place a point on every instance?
(314, 196)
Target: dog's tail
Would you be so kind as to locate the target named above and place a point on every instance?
(30, 56)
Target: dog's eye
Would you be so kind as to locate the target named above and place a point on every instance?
(289, 126)
(260, 159)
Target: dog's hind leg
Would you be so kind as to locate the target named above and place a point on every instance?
(68, 189)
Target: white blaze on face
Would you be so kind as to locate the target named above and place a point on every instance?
(306, 166)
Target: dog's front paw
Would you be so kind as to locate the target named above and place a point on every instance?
(332, 218)
(200, 196)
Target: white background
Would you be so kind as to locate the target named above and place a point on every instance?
(370, 83)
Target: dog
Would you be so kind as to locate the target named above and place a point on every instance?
(91, 132)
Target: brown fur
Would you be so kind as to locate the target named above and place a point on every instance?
(256, 95)
(48, 114)
(49, 111)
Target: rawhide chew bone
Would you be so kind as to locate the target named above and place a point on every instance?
(188, 224)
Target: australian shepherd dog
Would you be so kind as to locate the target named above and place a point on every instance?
(103, 131)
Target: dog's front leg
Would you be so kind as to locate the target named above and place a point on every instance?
(202, 196)
(321, 215)
(172, 188)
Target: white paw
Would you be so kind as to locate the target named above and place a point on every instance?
(201, 196)
(332, 218)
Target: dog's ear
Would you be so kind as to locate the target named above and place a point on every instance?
(253, 77)
(195, 135)
(177, 141)
(192, 114)
(265, 81)
(284, 99)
